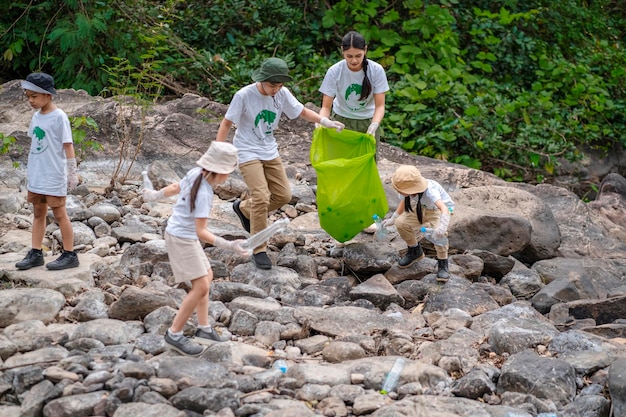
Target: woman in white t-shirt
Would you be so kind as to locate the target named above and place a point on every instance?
(186, 229)
(256, 110)
(353, 89)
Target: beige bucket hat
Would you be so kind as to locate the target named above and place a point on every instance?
(221, 158)
(408, 180)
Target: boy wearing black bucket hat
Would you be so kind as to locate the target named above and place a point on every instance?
(256, 110)
(51, 171)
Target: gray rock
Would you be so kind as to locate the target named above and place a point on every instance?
(546, 378)
(617, 386)
(377, 290)
(44, 305)
(514, 335)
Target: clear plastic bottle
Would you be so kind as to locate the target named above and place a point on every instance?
(281, 365)
(147, 184)
(381, 232)
(393, 376)
(265, 234)
(429, 234)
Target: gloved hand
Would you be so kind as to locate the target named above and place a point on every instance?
(442, 229)
(371, 130)
(232, 245)
(72, 176)
(332, 124)
(390, 221)
(153, 195)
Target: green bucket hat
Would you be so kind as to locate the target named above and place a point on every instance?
(273, 70)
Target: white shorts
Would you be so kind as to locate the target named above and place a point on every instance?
(187, 258)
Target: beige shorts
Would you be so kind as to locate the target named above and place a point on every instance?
(50, 200)
(187, 258)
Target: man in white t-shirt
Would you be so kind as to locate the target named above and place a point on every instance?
(256, 110)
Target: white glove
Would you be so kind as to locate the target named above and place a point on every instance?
(153, 195)
(442, 229)
(72, 176)
(332, 124)
(232, 245)
(371, 130)
(390, 221)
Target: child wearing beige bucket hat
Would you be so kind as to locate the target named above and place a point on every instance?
(186, 229)
(433, 207)
(256, 110)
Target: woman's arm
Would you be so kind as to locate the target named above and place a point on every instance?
(379, 112)
(327, 105)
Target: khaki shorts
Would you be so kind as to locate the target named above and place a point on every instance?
(187, 258)
(50, 200)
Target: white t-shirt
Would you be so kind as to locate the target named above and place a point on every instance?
(46, 159)
(256, 117)
(345, 86)
(182, 222)
(435, 192)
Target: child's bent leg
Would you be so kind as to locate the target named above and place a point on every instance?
(199, 293)
(202, 308)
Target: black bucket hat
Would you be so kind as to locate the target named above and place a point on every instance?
(40, 82)
(273, 70)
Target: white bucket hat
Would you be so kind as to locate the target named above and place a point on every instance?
(221, 158)
(408, 180)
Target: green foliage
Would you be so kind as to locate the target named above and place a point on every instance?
(483, 88)
(510, 87)
(135, 90)
(81, 126)
(6, 144)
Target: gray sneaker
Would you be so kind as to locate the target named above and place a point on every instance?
(184, 345)
(208, 338)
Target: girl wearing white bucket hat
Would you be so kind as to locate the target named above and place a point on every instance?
(433, 207)
(186, 228)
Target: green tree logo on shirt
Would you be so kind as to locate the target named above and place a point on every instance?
(353, 97)
(264, 123)
(39, 134)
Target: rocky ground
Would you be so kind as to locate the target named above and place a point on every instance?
(531, 322)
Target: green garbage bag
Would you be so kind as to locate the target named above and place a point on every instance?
(349, 190)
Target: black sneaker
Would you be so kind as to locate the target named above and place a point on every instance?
(207, 338)
(184, 345)
(68, 259)
(413, 254)
(262, 261)
(245, 222)
(33, 258)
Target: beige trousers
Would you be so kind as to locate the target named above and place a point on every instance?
(268, 188)
(409, 228)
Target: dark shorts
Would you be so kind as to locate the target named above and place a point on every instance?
(50, 200)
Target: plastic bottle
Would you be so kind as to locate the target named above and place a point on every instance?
(281, 365)
(429, 234)
(393, 376)
(265, 234)
(147, 184)
(381, 232)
